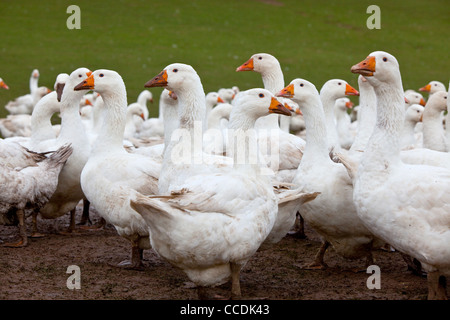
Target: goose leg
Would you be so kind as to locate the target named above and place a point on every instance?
(299, 227)
(85, 216)
(235, 281)
(34, 231)
(22, 232)
(136, 257)
(436, 286)
(318, 262)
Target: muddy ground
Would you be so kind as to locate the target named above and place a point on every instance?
(38, 271)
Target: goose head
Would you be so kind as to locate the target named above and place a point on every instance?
(176, 77)
(433, 87)
(415, 98)
(3, 84)
(257, 103)
(75, 77)
(343, 104)
(337, 88)
(260, 62)
(226, 94)
(101, 81)
(213, 98)
(60, 82)
(35, 74)
(135, 110)
(300, 91)
(414, 113)
(437, 101)
(378, 68)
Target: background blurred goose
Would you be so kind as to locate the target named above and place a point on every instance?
(433, 87)
(432, 128)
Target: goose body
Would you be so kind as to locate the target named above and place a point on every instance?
(111, 174)
(226, 225)
(433, 130)
(405, 205)
(68, 192)
(332, 214)
(27, 189)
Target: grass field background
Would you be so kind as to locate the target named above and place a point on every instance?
(313, 39)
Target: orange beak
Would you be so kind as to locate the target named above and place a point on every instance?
(427, 88)
(87, 102)
(288, 107)
(406, 100)
(159, 81)
(350, 91)
(422, 102)
(277, 107)
(248, 66)
(365, 67)
(220, 100)
(287, 92)
(142, 116)
(298, 111)
(87, 84)
(3, 85)
(349, 104)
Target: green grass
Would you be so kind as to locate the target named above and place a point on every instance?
(313, 39)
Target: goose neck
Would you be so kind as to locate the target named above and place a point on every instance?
(384, 145)
(112, 128)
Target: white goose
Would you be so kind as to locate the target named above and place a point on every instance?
(332, 214)
(408, 137)
(331, 91)
(112, 174)
(41, 127)
(343, 122)
(212, 99)
(25, 104)
(413, 97)
(405, 205)
(432, 129)
(215, 138)
(290, 146)
(432, 87)
(68, 193)
(214, 229)
(27, 189)
(134, 110)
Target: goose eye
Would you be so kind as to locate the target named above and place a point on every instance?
(101, 75)
(260, 58)
(261, 95)
(79, 76)
(384, 59)
(301, 84)
(175, 70)
(339, 83)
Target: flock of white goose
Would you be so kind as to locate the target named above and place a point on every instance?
(217, 177)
